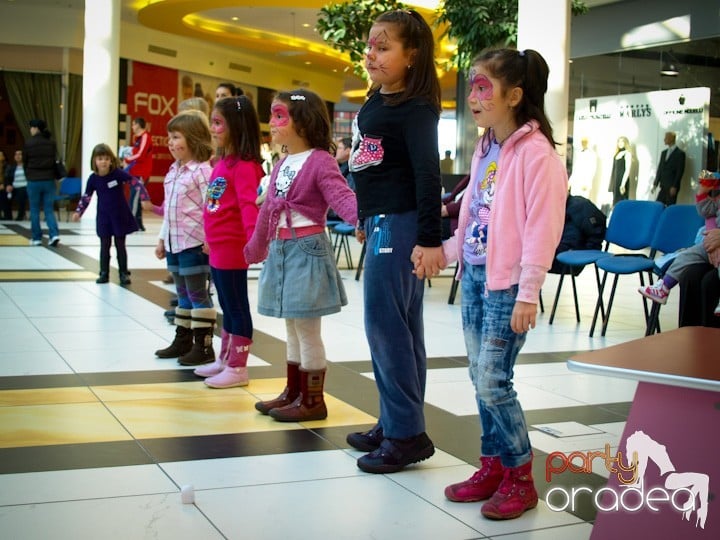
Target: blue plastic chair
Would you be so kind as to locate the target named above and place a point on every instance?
(69, 190)
(341, 245)
(633, 227)
(677, 230)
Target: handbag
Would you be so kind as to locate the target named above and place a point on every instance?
(60, 170)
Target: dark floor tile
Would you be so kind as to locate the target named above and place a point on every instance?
(72, 456)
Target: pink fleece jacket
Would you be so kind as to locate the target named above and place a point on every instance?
(526, 217)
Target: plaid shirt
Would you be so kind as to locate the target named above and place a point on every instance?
(185, 189)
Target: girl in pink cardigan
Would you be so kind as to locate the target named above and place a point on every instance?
(299, 281)
(510, 224)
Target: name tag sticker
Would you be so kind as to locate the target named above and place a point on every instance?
(113, 183)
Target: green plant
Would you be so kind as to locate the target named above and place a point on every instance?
(472, 24)
(345, 26)
(477, 24)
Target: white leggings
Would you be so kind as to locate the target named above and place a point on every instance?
(304, 344)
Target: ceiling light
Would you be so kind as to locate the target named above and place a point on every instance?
(669, 70)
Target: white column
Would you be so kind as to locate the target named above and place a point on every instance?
(101, 69)
(545, 27)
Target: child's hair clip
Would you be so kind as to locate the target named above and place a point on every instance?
(238, 105)
(296, 97)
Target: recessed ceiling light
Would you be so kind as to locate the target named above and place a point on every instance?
(235, 19)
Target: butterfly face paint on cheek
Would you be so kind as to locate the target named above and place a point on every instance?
(218, 124)
(279, 115)
(481, 87)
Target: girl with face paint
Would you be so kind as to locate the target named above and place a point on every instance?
(299, 281)
(229, 218)
(511, 219)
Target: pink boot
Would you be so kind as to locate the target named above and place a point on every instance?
(514, 496)
(208, 370)
(481, 485)
(235, 372)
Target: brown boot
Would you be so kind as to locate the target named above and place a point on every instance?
(292, 389)
(202, 352)
(183, 341)
(310, 404)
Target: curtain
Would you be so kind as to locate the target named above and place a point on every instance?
(74, 124)
(35, 95)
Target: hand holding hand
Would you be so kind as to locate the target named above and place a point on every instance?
(75, 217)
(427, 261)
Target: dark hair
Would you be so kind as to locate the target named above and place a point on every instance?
(310, 117)
(243, 126)
(234, 90)
(140, 121)
(525, 69)
(347, 142)
(103, 149)
(421, 79)
(193, 124)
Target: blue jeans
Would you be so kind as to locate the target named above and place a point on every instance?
(492, 349)
(394, 323)
(42, 196)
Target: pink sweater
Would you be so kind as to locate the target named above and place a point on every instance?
(526, 217)
(230, 211)
(318, 185)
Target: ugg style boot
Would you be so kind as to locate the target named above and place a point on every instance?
(310, 403)
(514, 496)
(183, 341)
(208, 370)
(235, 372)
(292, 390)
(202, 321)
(481, 485)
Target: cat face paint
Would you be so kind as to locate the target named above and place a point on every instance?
(279, 115)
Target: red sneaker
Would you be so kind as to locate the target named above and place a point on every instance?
(514, 496)
(479, 486)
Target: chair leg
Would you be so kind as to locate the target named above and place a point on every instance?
(597, 280)
(557, 296)
(454, 285)
(575, 297)
(653, 324)
(542, 305)
(361, 261)
(609, 307)
(599, 303)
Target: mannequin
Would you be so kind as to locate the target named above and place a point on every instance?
(620, 175)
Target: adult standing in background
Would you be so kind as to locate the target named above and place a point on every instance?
(670, 171)
(447, 163)
(16, 187)
(39, 156)
(139, 164)
(584, 169)
(342, 156)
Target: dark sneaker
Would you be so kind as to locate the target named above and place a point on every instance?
(395, 454)
(366, 441)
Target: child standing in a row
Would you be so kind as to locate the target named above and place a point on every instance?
(113, 218)
(230, 215)
(300, 281)
(396, 166)
(182, 237)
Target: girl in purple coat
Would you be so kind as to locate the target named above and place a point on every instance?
(114, 218)
(299, 281)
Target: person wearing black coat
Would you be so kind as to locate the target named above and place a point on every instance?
(39, 156)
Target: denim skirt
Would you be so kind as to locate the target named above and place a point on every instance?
(300, 279)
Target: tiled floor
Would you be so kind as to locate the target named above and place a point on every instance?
(97, 436)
